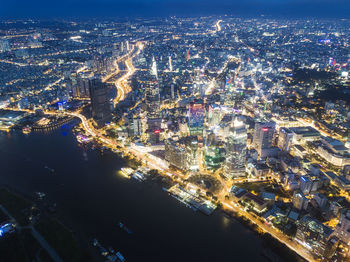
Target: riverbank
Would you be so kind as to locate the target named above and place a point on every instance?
(92, 198)
(277, 251)
(254, 226)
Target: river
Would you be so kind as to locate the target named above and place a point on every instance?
(91, 199)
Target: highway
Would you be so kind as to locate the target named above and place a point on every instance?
(121, 83)
(217, 25)
(13, 63)
(118, 60)
(217, 28)
(302, 251)
(123, 88)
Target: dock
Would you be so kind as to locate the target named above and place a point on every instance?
(192, 200)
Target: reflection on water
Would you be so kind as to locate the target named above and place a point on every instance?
(92, 200)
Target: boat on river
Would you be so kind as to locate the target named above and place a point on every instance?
(125, 228)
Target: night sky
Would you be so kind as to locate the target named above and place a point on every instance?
(147, 8)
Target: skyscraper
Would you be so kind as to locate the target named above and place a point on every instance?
(196, 118)
(285, 138)
(152, 96)
(175, 154)
(236, 149)
(137, 126)
(153, 130)
(4, 45)
(172, 91)
(82, 87)
(300, 202)
(263, 135)
(170, 65)
(214, 115)
(154, 70)
(192, 153)
(127, 45)
(100, 101)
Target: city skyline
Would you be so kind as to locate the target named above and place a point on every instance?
(151, 137)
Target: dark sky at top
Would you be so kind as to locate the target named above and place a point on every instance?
(147, 8)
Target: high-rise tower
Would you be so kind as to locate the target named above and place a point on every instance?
(154, 70)
(152, 96)
(236, 149)
(263, 135)
(196, 118)
(170, 65)
(100, 101)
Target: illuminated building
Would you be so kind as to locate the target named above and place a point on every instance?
(103, 64)
(309, 184)
(192, 153)
(285, 138)
(170, 65)
(334, 151)
(183, 127)
(305, 185)
(301, 135)
(196, 118)
(172, 86)
(62, 105)
(320, 199)
(314, 235)
(214, 115)
(342, 230)
(254, 202)
(127, 45)
(236, 149)
(137, 126)
(134, 126)
(80, 85)
(10, 118)
(214, 156)
(263, 135)
(175, 154)
(259, 170)
(154, 70)
(4, 102)
(152, 96)
(300, 202)
(182, 153)
(100, 101)
(152, 127)
(4, 46)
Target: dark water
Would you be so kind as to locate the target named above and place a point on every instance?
(92, 199)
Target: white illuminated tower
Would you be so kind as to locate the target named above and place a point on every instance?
(236, 148)
(170, 65)
(127, 45)
(154, 70)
